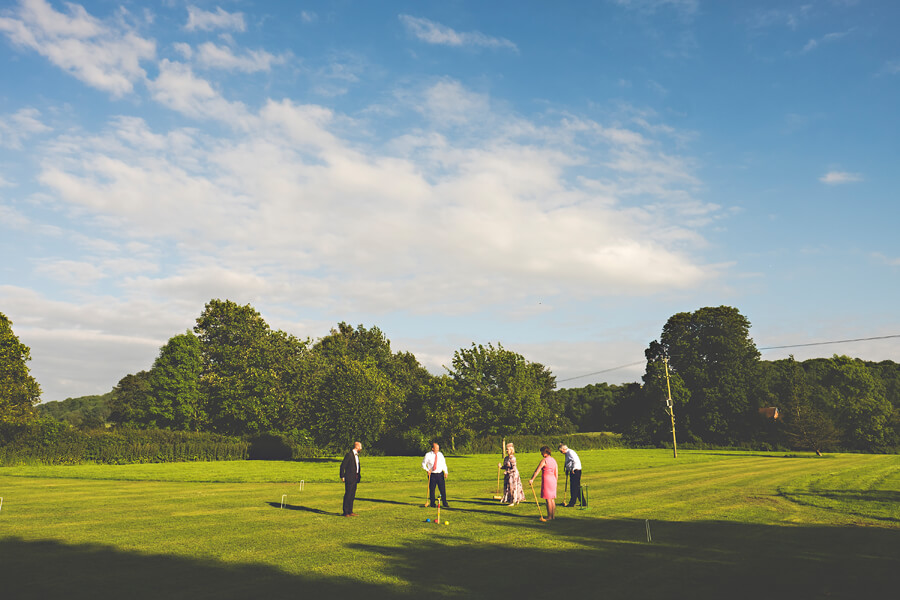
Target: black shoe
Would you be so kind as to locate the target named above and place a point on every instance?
(445, 506)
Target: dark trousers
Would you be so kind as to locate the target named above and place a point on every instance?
(575, 485)
(349, 494)
(437, 479)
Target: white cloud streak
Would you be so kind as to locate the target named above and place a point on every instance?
(435, 33)
(839, 177)
(179, 89)
(202, 20)
(19, 126)
(828, 38)
(687, 7)
(102, 56)
(213, 56)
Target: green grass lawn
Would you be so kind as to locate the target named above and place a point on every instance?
(723, 525)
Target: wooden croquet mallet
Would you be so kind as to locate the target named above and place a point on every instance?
(540, 512)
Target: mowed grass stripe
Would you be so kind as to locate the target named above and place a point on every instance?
(686, 492)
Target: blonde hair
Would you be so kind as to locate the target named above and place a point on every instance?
(510, 445)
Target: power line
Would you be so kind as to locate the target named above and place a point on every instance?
(634, 364)
(882, 337)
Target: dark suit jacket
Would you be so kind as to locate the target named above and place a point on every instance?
(348, 468)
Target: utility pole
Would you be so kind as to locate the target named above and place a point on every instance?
(670, 408)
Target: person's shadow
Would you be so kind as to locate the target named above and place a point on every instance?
(317, 511)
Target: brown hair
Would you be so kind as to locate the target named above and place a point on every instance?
(545, 451)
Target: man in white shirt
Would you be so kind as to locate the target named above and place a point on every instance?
(436, 466)
(572, 466)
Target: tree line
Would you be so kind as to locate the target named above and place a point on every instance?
(234, 375)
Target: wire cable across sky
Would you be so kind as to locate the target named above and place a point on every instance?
(634, 364)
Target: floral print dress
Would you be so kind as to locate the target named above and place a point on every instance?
(512, 488)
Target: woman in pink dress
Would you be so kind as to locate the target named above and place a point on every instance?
(549, 473)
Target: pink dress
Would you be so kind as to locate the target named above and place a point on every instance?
(549, 475)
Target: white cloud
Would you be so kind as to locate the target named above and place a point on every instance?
(893, 262)
(202, 20)
(12, 218)
(448, 102)
(308, 16)
(435, 33)
(81, 341)
(70, 272)
(789, 17)
(212, 56)
(687, 7)
(19, 126)
(103, 56)
(184, 50)
(892, 67)
(177, 87)
(839, 177)
(448, 226)
(825, 39)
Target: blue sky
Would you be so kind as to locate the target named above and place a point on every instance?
(560, 178)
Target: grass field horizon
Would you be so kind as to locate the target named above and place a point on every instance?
(723, 524)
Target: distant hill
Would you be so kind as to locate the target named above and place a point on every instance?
(85, 412)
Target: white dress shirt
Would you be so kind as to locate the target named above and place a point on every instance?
(440, 465)
(573, 463)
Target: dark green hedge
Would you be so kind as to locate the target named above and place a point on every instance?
(284, 445)
(533, 443)
(51, 442)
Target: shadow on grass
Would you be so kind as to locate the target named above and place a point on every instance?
(317, 511)
(383, 501)
(612, 559)
(49, 569)
(594, 558)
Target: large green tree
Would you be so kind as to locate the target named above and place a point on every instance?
(177, 401)
(509, 394)
(249, 374)
(858, 400)
(130, 404)
(807, 424)
(448, 413)
(712, 352)
(352, 402)
(406, 382)
(19, 391)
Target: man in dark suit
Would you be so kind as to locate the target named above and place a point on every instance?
(350, 477)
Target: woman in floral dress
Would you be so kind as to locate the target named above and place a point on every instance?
(512, 483)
